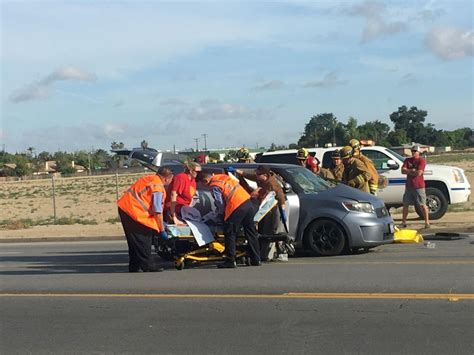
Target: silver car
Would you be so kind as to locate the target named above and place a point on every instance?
(325, 218)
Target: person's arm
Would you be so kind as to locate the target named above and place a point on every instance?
(218, 199)
(408, 170)
(175, 218)
(362, 176)
(279, 194)
(246, 175)
(420, 169)
(157, 209)
(175, 190)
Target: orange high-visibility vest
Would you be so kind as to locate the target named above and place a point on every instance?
(137, 200)
(233, 194)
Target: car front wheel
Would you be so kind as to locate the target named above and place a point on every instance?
(325, 237)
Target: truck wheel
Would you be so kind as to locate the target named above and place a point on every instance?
(437, 203)
(325, 237)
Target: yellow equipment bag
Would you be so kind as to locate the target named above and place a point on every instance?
(407, 236)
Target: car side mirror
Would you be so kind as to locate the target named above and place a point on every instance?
(392, 164)
(287, 188)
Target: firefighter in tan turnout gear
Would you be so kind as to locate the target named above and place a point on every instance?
(356, 173)
(336, 171)
(374, 175)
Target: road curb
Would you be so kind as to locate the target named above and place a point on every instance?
(60, 239)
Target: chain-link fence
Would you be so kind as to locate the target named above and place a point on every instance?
(82, 200)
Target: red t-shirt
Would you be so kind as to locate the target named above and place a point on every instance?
(184, 187)
(418, 182)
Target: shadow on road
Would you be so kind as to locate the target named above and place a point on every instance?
(66, 263)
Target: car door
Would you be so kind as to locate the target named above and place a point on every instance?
(393, 193)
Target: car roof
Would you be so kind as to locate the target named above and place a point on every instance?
(248, 165)
(312, 150)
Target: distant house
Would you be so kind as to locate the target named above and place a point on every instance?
(405, 149)
(78, 168)
(7, 169)
(442, 149)
(49, 167)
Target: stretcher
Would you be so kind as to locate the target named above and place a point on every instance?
(185, 250)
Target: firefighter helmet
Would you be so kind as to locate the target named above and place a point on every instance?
(243, 154)
(302, 153)
(354, 143)
(346, 152)
(336, 154)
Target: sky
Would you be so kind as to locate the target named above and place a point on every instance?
(78, 75)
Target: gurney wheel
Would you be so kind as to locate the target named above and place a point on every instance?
(179, 265)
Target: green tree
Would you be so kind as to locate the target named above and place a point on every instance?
(376, 131)
(100, 159)
(30, 151)
(412, 122)
(320, 129)
(64, 162)
(274, 147)
(398, 137)
(23, 165)
(115, 145)
(117, 160)
(352, 129)
(83, 157)
(44, 156)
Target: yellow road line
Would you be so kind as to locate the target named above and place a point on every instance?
(415, 262)
(290, 295)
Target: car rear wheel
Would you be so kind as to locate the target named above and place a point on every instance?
(436, 202)
(325, 237)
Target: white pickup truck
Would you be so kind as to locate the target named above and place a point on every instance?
(445, 185)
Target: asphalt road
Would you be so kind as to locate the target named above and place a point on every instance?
(78, 298)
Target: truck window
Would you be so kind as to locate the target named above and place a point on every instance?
(327, 159)
(379, 159)
(286, 158)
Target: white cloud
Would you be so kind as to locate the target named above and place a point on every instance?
(451, 43)
(330, 80)
(270, 85)
(376, 25)
(213, 110)
(41, 89)
(112, 130)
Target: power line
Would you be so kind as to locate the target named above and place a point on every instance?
(205, 141)
(197, 144)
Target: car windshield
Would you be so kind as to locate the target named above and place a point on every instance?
(307, 182)
(398, 156)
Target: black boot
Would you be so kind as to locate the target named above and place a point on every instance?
(227, 264)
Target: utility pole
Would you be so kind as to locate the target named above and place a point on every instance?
(334, 133)
(205, 141)
(197, 144)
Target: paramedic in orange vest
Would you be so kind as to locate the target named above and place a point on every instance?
(234, 203)
(141, 212)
